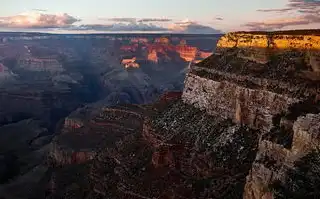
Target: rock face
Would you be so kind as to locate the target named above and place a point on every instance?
(273, 160)
(252, 91)
(261, 47)
(244, 105)
(248, 116)
(263, 80)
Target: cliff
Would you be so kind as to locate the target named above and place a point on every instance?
(252, 91)
(268, 82)
(261, 47)
(245, 126)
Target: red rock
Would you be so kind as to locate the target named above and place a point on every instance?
(188, 53)
(162, 40)
(152, 56)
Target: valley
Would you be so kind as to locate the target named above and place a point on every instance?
(48, 79)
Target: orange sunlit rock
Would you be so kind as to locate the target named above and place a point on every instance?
(188, 53)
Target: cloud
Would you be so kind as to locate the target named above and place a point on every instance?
(154, 20)
(219, 18)
(275, 10)
(39, 10)
(119, 27)
(306, 11)
(297, 5)
(188, 26)
(304, 4)
(122, 19)
(136, 20)
(38, 20)
(65, 22)
(179, 27)
(141, 25)
(278, 24)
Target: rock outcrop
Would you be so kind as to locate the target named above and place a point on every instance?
(188, 53)
(247, 117)
(80, 139)
(251, 91)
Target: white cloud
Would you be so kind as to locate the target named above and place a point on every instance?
(38, 20)
(64, 22)
(188, 26)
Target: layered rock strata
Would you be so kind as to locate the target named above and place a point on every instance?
(248, 90)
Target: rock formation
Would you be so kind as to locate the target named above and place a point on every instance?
(187, 53)
(267, 82)
(248, 116)
(152, 56)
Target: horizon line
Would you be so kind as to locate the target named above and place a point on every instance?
(107, 33)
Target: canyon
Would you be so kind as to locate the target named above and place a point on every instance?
(52, 83)
(245, 124)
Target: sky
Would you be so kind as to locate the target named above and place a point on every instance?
(176, 16)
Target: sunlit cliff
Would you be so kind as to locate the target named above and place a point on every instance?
(260, 47)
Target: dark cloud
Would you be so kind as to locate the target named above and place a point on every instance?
(297, 5)
(304, 4)
(309, 11)
(38, 20)
(275, 10)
